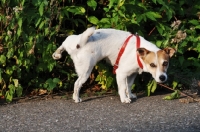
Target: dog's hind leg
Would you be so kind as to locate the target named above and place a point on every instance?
(78, 84)
(130, 81)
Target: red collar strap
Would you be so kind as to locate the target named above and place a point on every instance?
(138, 46)
(122, 51)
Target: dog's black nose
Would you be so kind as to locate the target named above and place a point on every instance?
(162, 77)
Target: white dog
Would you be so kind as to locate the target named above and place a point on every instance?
(129, 54)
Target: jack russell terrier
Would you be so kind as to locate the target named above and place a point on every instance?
(129, 54)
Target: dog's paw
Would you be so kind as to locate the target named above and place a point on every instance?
(133, 96)
(76, 99)
(126, 100)
(56, 56)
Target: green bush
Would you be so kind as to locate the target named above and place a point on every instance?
(30, 31)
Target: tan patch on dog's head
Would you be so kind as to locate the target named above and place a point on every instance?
(147, 56)
(149, 59)
(163, 60)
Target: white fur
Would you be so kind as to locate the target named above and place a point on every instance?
(95, 45)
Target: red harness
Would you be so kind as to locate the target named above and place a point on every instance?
(122, 51)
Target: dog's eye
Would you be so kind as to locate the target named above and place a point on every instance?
(165, 63)
(152, 65)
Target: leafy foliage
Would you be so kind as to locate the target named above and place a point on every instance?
(174, 95)
(30, 31)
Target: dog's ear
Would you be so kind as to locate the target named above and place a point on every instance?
(170, 51)
(142, 52)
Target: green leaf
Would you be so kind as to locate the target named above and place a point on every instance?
(92, 4)
(174, 95)
(150, 17)
(97, 78)
(51, 66)
(10, 53)
(19, 31)
(36, 2)
(121, 14)
(41, 24)
(158, 43)
(153, 15)
(194, 22)
(9, 70)
(197, 27)
(20, 22)
(154, 86)
(11, 89)
(198, 47)
(2, 59)
(76, 10)
(56, 80)
(120, 3)
(38, 21)
(49, 80)
(8, 96)
(169, 14)
(51, 84)
(46, 31)
(41, 9)
(105, 22)
(149, 86)
(111, 2)
(45, 85)
(154, 1)
(109, 82)
(174, 84)
(16, 82)
(19, 90)
(93, 20)
(141, 17)
(168, 97)
(3, 1)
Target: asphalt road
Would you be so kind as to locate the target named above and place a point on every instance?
(105, 113)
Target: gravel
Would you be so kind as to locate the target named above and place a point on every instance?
(102, 113)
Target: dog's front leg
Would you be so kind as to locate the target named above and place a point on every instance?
(130, 81)
(122, 87)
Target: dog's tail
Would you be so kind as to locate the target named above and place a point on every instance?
(85, 36)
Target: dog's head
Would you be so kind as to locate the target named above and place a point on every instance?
(156, 63)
